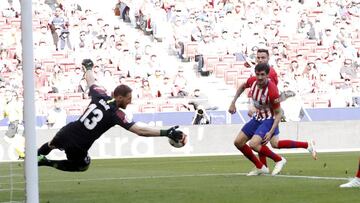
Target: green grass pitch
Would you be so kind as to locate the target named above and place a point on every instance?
(202, 179)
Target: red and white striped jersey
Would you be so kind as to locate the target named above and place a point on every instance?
(265, 99)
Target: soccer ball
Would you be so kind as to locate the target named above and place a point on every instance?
(178, 144)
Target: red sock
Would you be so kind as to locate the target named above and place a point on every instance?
(292, 144)
(247, 151)
(358, 172)
(267, 152)
(262, 159)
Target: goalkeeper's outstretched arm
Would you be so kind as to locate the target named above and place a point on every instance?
(87, 66)
(152, 132)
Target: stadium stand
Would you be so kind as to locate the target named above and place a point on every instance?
(223, 34)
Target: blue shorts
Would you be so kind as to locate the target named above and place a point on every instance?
(256, 127)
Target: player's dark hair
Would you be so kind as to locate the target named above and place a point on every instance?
(263, 51)
(262, 67)
(122, 90)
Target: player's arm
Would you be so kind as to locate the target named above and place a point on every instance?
(275, 105)
(152, 132)
(239, 91)
(277, 119)
(87, 66)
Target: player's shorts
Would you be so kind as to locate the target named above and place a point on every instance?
(259, 127)
(75, 153)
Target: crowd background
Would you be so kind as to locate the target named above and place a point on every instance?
(164, 49)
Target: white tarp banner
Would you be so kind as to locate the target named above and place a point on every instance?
(204, 140)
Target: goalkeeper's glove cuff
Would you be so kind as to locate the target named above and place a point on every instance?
(164, 133)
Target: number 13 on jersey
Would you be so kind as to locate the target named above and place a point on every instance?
(90, 122)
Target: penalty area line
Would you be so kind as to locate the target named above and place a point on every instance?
(190, 175)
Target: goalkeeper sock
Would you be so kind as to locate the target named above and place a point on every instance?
(358, 172)
(44, 149)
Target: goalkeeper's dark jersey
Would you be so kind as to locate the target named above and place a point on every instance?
(100, 115)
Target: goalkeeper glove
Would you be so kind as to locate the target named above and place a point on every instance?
(88, 64)
(172, 133)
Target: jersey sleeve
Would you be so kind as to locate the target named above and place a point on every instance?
(250, 81)
(122, 120)
(274, 96)
(273, 76)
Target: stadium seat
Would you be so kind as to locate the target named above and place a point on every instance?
(355, 82)
(321, 49)
(284, 38)
(182, 108)
(337, 82)
(210, 62)
(312, 57)
(308, 103)
(15, 22)
(310, 43)
(74, 110)
(220, 69)
(321, 103)
(304, 50)
(190, 49)
(52, 96)
(246, 72)
(48, 63)
(74, 96)
(294, 44)
(59, 55)
(168, 107)
(228, 59)
(240, 80)
(149, 108)
(230, 76)
(238, 65)
(2, 22)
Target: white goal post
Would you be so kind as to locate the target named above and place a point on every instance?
(31, 168)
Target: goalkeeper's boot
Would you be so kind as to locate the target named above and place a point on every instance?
(43, 161)
(352, 183)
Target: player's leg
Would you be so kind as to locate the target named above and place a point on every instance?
(262, 159)
(255, 144)
(355, 182)
(280, 144)
(240, 143)
(260, 133)
(45, 149)
(76, 161)
(264, 150)
(279, 163)
(58, 142)
(248, 131)
(251, 111)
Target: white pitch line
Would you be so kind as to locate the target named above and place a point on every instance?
(190, 175)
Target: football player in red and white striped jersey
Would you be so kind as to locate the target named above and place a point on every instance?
(263, 127)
